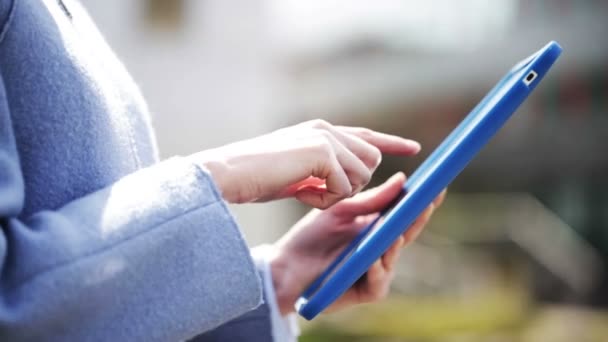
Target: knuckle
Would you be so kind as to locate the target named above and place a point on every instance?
(375, 295)
(383, 294)
(326, 135)
(364, 132)
(376, 156)
(320, 123)
(366, 177)
(324, 145)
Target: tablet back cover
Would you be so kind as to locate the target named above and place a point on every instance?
(431, 177)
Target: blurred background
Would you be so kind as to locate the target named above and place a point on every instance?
(519, 252)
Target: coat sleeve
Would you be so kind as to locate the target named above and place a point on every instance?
(265, 323)
(253, 326)
(154, 256)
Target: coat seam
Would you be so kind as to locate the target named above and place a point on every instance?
(5, 27)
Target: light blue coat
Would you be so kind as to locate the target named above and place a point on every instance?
(99, 241)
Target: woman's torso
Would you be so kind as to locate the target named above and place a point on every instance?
(79, 120)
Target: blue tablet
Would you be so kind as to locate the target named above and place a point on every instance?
(432, 176)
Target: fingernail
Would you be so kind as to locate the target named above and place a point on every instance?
(399, 174)
(415, 145)
(429, 212)
(401, 241)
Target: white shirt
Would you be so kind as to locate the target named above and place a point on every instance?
(284, 328)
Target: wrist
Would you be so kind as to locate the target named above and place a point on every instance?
(213, 162)
(284, 291)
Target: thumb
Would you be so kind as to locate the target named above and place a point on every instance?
(372, 200)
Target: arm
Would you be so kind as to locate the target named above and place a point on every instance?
(299, 256)
(155, 256)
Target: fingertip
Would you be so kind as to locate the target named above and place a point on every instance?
(392, 254)
(395, 181)
(375, 271)
(432, 207)
(400, 241)
(399, 176)
(418, 226)
(403, 147)
(439, 200)
(414, 146)
(431, 210)
(397, 244)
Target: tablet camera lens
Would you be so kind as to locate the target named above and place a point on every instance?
(530, 77)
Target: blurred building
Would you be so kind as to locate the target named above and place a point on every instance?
(220, 70)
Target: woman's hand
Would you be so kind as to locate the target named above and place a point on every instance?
(315, 162)
(316, 240)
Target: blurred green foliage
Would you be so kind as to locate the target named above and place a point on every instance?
(499, 315)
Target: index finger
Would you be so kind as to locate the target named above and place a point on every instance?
(387, 143)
